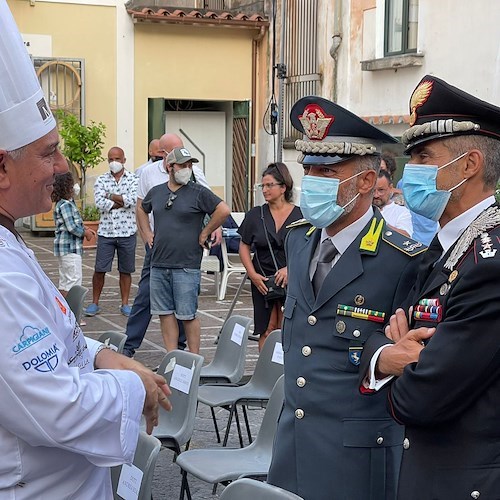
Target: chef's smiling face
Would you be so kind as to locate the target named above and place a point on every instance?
(27, 176)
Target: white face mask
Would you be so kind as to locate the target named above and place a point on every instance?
(76, 189)
(183, 176)
(115, 166)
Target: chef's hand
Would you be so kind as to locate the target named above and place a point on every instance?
(155, 385)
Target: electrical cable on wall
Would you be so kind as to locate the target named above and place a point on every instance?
(271, 112)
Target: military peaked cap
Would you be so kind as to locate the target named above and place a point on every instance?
(332, 133)
(437, 109)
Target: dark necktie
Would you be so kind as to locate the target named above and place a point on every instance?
(327, 252)
(429, 261)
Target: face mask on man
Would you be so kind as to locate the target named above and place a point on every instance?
(318, 199)
(115, 166)
(420, 189)
(183, 176)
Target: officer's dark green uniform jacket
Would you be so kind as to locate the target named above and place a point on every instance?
(334, 443)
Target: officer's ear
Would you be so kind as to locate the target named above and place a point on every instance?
(473, 163)
(366, 181)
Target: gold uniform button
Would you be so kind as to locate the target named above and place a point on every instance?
(475, 494)
(299, 413)
(301, 381)
(311, 320)
(406, 443)
(356, 333)
(306, 350)
(380, 440)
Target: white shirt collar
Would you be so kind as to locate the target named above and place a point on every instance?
(452, 231)
(344, 238)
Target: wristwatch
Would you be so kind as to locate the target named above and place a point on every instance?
(101, 347)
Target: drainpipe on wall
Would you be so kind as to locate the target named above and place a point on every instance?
(253, 114)
(336, 41)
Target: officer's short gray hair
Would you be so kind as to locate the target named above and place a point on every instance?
(490, 148)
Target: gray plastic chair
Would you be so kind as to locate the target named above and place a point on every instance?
(175, 427)
(256, 392)
(75, 299)
(250, 489)
(228, 364)
(146, 454)
(116, 340)
(223, 464)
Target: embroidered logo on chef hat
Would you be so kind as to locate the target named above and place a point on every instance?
(25, 115)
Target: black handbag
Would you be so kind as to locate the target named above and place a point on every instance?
(274, 291)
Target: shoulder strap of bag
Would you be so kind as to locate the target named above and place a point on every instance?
(267, 238)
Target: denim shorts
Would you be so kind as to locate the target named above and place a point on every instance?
(124, 247)
(175, 291)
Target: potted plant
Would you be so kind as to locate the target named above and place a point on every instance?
(82, 144)
(91, 217)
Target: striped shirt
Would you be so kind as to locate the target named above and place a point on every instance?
(69, 229)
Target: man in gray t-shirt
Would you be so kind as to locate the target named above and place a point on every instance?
(179, 208)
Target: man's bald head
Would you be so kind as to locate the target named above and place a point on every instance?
(116, 154)
(154, 148)
(170, 141)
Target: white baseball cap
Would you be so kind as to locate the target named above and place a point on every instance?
(25, 115)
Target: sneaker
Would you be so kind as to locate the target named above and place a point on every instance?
(126, 310)
(92, 310)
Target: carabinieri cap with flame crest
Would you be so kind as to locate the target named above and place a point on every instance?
(438, 110)
(333, 134)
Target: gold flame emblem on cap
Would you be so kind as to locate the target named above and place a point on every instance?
(419, 98)
(316, 122)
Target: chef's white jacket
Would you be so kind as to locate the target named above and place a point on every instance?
(62, 423)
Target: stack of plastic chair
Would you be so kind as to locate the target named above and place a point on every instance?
(221, 465)
(255, 392)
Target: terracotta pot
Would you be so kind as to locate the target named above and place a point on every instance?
(91, 224)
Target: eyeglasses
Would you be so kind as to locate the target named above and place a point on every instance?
(269, 185)
(170, 201)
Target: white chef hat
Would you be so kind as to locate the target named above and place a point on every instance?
(24, 113)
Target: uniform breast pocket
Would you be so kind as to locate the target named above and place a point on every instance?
(347, 340)
(286, 331)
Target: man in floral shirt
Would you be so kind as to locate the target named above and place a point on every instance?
(115, 196)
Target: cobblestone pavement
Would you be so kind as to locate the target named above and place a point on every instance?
(212, 313)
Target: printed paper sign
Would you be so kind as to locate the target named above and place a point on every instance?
(237, 335)
(278, 353)
(181, 378)
(129, 483)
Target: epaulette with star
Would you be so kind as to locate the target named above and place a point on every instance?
(403, 243)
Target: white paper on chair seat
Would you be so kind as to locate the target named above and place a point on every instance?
(277, 353)
(237, 335)
(181, 378)
(130, 481)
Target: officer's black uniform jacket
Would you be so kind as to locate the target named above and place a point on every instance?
(450, 400)
(332, 441)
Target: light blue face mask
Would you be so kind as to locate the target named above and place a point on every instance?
(318, 199)
(420, 189)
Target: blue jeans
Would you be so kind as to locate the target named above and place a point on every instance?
(140, 316)
(175, 291)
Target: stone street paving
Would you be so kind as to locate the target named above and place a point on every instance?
(212, 313)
